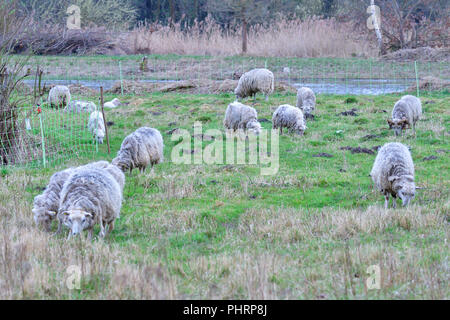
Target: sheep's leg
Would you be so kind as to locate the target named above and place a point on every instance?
(102, 229)
(58, 231)
(386, 200)
(267, 97)
(70, 234)
(281, 131)
(90, 233)
(111, 226)
(394, 202)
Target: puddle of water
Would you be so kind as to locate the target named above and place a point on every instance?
(357, 86)
(93, 84)
(330, 86)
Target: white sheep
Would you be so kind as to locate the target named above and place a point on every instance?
(90, 196)
(253, 81)
(393, 173)
(112, 169)
(406, 111)
(59, 96)
(141, 148)
(287, 116)
(96, 126)
(79, 106)
(114, 103)
(239, 116)
(306, 101)
(45, 205)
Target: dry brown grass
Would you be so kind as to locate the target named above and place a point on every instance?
(284, 38)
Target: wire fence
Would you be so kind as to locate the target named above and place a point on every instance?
(46, 136)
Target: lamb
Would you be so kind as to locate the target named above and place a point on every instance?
(59, 96)
(79, 106)
(393, 173)
(96, 126)
(306, 101)
(406, 112)
(112, 104)
(45, 205)
(241, 116)
(90, 196)
(290, 117)
(139, 149)
(253, 81)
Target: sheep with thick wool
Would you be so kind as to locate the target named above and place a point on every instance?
(290, 117)
(253, 81)
(79, 106)
(393, 173)
(112, 169)
(141, 148)
(59, 96)
(90, 196)
(239, 116)
(96, 126)
(306, 101)
(46, 205)
(406, 112)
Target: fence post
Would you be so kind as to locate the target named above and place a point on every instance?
(39, 110)
(121, 79)
(417, 77)
(104, 120)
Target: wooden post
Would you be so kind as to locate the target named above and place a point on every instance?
(104, 119)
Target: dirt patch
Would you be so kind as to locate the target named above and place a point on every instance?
(358, 150)
(431, 84)
(419, 54)
(322, 155)
(264, 120)
(430, 158)
(82, 90)
(351, 112)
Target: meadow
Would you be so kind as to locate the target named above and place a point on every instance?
(226, 232)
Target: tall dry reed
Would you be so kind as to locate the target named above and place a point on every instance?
(284, 38)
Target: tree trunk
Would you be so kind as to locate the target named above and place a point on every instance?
(244, 36)
(172, 12)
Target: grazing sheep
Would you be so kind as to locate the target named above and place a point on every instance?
(290, 117)
(45, 205)
(112, 169)
(139, 149)
(78, 106)
(114, 103)
(91, 195)
(240, 116)
(393, 173)
(253, 81)
(59, 97)
(96, 126)
(306, 100)
(406, 111)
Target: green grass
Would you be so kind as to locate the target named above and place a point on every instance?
(310, 231)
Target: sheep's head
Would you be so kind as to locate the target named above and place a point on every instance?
(99, 134)
(43, 217)
(404, 187)
(122, 165)
(77, 220)
(398, 125)
(254, 126)
(115, 102)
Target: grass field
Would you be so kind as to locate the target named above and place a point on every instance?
(220, 231)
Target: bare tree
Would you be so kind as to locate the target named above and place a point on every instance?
(245, 12)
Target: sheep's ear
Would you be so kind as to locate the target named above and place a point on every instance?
(409, 177)
(51, 213)
(87, 214)
(389, 121)
(65, 213)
